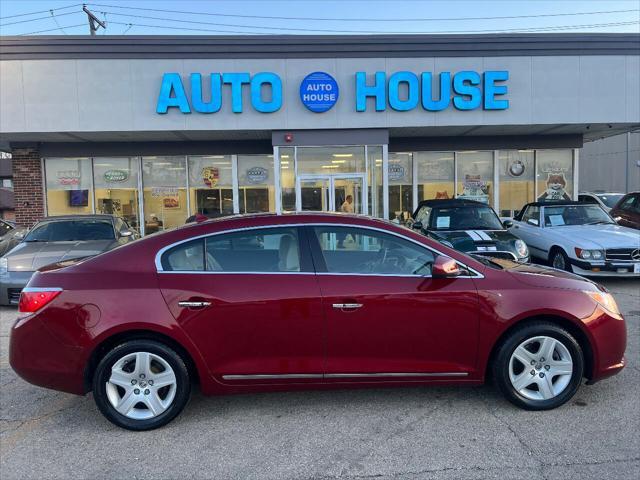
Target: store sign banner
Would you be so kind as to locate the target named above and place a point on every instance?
(116, 176)
(257, 175)
(401, 91)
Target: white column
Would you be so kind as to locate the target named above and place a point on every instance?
(414, 176)
(276, 178)
(385, 181)
(234, 181)
(188, 177)
(576, 155)
(496, 182)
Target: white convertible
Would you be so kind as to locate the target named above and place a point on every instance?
(579, 238)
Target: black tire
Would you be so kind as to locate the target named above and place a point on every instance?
(103, 373)
(501, 365)
(557, 254)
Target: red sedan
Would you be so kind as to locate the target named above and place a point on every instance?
(279, 302)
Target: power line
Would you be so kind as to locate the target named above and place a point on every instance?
(56, 22)
(324, 30)
(39, 18)
(40, 11)
(508, 17)
(52, 29)
(186, 28)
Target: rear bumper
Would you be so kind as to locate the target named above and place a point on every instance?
(42, 359)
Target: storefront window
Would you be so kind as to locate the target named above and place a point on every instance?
(287, 179)
(165, 192)
(116, 188)
(554, 172)
(516, 180)
(374, 154)
(400, 186)
(435, 175)
(475, 176)
(256, 185)
(211, 185)
(68, 182)
(330, 160)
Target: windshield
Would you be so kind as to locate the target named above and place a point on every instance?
(610, 199)
(562, 215)
(71, 230)
(465, 218)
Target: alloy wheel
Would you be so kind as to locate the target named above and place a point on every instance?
(540, 368)
(558, 261)
(141, 386)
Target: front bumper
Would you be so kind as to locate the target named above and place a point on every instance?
(11, 283)
(609, 341)
(605, 268)
(42, 359)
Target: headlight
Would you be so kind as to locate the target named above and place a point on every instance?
(605, 300)
(521, 248)
(589, 254)
(4, 265)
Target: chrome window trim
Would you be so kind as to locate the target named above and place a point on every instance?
(160, 252)
(294, 376)
(41, 289)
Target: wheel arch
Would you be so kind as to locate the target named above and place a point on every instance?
(553, 249)
(570, 326)
(102, 348)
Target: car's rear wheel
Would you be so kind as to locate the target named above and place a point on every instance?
(539, 366)
(560, 260)
(141, 385)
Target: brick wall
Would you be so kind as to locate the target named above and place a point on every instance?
(27, 186)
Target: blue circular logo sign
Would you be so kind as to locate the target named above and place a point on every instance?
(319, 92)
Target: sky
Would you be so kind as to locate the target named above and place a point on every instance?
(314, 17)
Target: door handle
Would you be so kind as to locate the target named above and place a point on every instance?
(194, 304)
(347, 306)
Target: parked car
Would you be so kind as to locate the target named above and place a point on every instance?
(606, 200)
(56, 239)
(384, 306)
(10, 235)
(469, 226)
(627, 211)
(580, 238)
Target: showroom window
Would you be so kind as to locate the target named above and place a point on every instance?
(165, 192)
(116, 188)
(517, 180)
(256, 187)
(400, 186)
(554, 175)
(69, 186)
(435, 175)
(475, 176)
(211, 185)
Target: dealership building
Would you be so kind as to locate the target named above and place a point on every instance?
(155, 129)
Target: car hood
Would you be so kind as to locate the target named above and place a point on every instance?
(30, 256)
(599, 236)
(540, 276)
(470, 240)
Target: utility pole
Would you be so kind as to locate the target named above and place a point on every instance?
(92, 21)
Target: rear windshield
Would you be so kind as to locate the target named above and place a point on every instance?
(71, 230)
(610, 199)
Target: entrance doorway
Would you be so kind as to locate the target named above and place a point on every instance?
(328, 192)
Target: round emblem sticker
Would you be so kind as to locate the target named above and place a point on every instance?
(319, 92)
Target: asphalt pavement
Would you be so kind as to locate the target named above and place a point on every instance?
(409, 433)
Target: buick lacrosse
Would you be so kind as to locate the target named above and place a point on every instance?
(303, 301)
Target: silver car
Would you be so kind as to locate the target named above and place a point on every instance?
(56, 239)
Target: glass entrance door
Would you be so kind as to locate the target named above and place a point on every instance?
(331, 193)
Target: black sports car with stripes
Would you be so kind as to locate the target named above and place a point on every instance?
(469, 226)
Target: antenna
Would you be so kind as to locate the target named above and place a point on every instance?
(92, 21)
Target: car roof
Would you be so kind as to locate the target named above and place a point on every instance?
(452, 202)
(62, 218)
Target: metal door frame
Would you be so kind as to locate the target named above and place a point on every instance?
(332, 177)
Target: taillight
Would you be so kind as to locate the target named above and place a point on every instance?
(33, 299)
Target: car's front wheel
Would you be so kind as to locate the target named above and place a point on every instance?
(539, 366)
(141, 385)
(560, 260)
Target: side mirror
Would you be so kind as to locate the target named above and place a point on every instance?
(533, 221)
(20, 235)
(416, 225)
(126, 233)
(445, 267)
(507, 223)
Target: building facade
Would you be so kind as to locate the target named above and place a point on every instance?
(156, 129)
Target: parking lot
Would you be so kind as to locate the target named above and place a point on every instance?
(441, 433)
